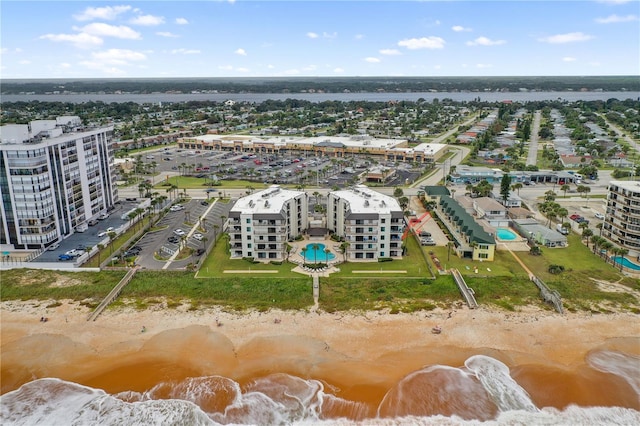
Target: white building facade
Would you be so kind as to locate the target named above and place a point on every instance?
(55, 176)
(372, 223)
(261, 224)
(622, 219)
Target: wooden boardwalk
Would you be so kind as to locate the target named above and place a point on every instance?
(466, 291)
(113, 294)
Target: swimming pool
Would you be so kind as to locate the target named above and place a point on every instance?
(506, 234)
(626, 263)
(318, 255)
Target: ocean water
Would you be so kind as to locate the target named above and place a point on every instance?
(484, 391)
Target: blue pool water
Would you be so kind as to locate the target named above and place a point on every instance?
(626, 263)
(505, 234)
(317, 255)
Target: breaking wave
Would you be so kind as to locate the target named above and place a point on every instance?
(481, 392)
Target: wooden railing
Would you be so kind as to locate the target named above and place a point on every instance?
(465, 290)
(113, 294)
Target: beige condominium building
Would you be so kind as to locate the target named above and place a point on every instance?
(622, 219)
(261, 223)
(372, 223)
(55, 176)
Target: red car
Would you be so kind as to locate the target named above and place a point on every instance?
(575, 216)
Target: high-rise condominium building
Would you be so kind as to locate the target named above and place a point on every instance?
(55, 175)
(261, 223)
(622, 219)
(372, 223)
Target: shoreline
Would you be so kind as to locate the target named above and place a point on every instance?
(361, 354)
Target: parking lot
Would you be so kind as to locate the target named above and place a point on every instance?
(91, 237)
(289, 168)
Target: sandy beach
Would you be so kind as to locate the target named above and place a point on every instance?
(358, 355)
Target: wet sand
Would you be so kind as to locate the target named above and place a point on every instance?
(359, 356)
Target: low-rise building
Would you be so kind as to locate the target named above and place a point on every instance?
(533, 230)
(261, 224)
(372, 223)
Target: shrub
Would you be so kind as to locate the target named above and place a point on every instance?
(276, 262)
(384, 259)
(556, 269)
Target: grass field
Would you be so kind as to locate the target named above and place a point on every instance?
(506, 285)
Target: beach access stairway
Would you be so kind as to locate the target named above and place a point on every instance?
(548, 295)
(113, 294)
(465, 290)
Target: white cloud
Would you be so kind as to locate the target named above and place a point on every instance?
(82, 40)
(225, 67)
(312, 35)
(65, 65)
(372, 60)
(568, 59)
(183, 51)
(242, 69)
(460, 28)
(309, 68)
(437, 67)
(566, 38)
(330, 35)
(147, 20)
(358, 37)
(338, 70)
(118, 56)
(291, 72)
(107, 13)
(101, 29)
(181, 21)
(24, 62)
(484, 41)
(431, 42)
(240, 52)
(614, 19)
(167, 34)
(271, 66)
(390, 52)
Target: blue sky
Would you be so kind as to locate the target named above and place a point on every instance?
(134, 39)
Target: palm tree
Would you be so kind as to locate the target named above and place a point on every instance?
(315, 248)
(449, 245)
(564, 188)
(304, 254)
(622, 252)
(215, 232)
(112, 236)
(100, 247)
(562, 213)
(596, 241)
(587, 234)
(287, 248)
(516, 187)
(326, 254)
(344, 246)
(599, 226)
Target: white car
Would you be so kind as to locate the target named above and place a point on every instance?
(106, 231)
(599, 216)
(198, 236)
(176, 208)
(179, 232)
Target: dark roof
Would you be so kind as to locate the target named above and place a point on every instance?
(435, 190)
(458, 215)
(331, 144)
(317, 232)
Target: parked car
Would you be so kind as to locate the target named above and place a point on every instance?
(425, 234)
(176, 208)
(599, 216)
(204, 203)
(73, 253)
(427, 242)
(179, 232)
(198, 236)
(200, 252)
(103, 216)
(575, 217)
(65, 257)
(53, 246)
(173, 239)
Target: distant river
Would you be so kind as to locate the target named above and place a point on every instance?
(321, 97)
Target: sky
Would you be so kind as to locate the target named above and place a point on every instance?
(263, 38)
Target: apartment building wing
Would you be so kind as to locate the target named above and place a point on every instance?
(372, 223)
(54, 177)
(622, 218)
(261, 223)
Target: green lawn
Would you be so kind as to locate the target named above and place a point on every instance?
(191, 182)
